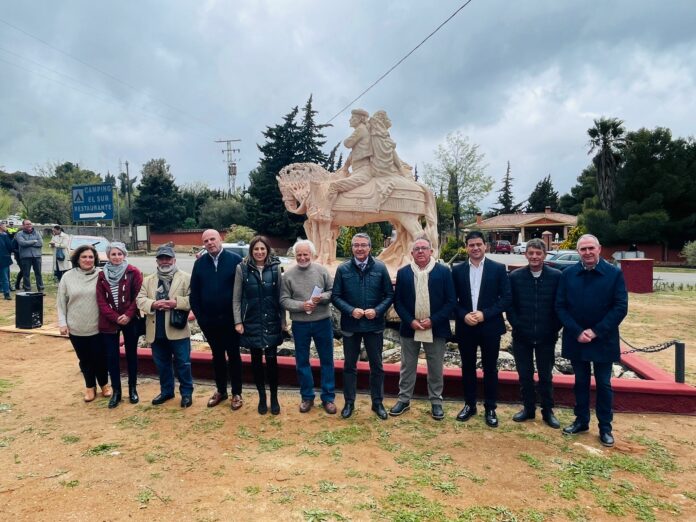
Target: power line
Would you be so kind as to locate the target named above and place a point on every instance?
(399, 62)
(109, 75)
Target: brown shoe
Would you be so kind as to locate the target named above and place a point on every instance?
(106, 391)
(90, 394)
(216, 399)
(329, 407)
(237, 402)
(306, 405)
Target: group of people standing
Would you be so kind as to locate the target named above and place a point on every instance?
(243, 302)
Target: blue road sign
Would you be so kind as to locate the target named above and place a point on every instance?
(92, 202)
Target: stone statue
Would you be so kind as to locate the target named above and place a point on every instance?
(379, 187)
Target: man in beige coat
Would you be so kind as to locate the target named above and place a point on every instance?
(163, 292)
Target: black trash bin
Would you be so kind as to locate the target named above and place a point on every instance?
(29, 309)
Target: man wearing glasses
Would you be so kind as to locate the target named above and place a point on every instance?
(362, 291)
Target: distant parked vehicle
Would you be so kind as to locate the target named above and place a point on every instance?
(98, 242)
(562, 259)
(241, 249)
(520, 248)
(501, 247)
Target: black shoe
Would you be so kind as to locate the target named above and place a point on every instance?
(115, 399)
(399, 408)
(133, 395)
(186, 401)
(550, 419)
(275, 405)
(8, 297)
(263, 406)
(348, 409)
(491, 419)
(466, 413)
(161, 399)
(606, 439)
(575, 428)
(379, 410)
(523, 415)
(437, 412)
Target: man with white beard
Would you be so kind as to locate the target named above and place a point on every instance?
(306, 294)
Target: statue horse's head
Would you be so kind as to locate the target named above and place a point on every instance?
(294, 182)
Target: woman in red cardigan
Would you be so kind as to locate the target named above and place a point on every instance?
(117, 287)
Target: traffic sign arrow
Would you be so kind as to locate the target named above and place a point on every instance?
(93, 215)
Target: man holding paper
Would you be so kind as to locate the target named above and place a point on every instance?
(424, 299)
(306, 294)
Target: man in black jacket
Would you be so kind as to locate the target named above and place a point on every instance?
(535, 327)
(212, 285)
(483, 294)
(363, 292)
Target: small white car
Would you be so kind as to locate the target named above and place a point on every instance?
(520, 248)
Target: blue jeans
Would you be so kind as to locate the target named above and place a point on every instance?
(351, 349)
(322, 333)
(163, 351)
(5, 279)
(605, 395)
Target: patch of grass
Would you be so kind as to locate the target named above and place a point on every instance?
(208, 425)
(487, 514)
(272, 444)
(411, 506)
(347, 435)
(6, 441)
(138, 422)
(101, 449)
(145, 496)
(457, 473)
(70, 439)
(370, 505)
(446, 487)
(577, 514)
(5, 386)
(531, 460)
(153, 456)
(252, 490)
(660, 455)
(305, 451)
(386, 444)
(69, 483)
(336, 454)
(4, 407)
(326, 486)
(321, 515)
(244, 433)
(422, 460)
(689, 494)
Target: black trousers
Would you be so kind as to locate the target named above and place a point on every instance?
(271, 374)
(525, 354)
(27, 263)
(227, 361)
(374, 342)
(113, 354)
(92, 357)
(490, 347)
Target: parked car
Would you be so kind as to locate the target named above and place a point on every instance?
(99, 242)
(520, 248)
(562, 259)
(241, 249)
(501, 247)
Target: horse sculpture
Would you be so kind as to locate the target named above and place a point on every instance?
(398, 200)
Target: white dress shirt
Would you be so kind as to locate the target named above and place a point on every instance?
(475, 276)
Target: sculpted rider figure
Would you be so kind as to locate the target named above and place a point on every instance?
(359, 157)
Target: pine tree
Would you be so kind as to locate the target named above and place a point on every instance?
(159, 202)
(543, 196)
(506, 200)
(285, 143)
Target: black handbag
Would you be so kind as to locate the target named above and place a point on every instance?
(139, 324)
(178, 318)
(60, 254)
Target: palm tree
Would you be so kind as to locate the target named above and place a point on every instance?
(607, 138)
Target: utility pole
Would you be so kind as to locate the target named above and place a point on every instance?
(231, 164)
(130, 210)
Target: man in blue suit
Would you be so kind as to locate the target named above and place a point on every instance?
(424, 299)
(591, 303)
(483, 294)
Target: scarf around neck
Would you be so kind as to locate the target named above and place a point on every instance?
(114, 273)
(422, 307)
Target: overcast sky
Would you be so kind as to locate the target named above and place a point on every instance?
(98, 82)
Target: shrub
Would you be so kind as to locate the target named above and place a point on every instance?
(571, 242)
(239, 233)
(451, 248)
(689, 252)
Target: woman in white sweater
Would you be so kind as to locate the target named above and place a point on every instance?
(78, 317)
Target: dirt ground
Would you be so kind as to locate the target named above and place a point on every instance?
(67, 460)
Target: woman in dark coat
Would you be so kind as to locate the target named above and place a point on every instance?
(117, 287)
(258, 316)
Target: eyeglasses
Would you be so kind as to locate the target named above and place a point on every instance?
(361, 245)
(421, 249)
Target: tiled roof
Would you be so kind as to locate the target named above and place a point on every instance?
(519, 220)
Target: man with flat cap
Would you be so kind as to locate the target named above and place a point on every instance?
(161, 293)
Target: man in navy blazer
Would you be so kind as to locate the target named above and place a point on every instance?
(483, 294)
(591, 303)
(424, 299)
